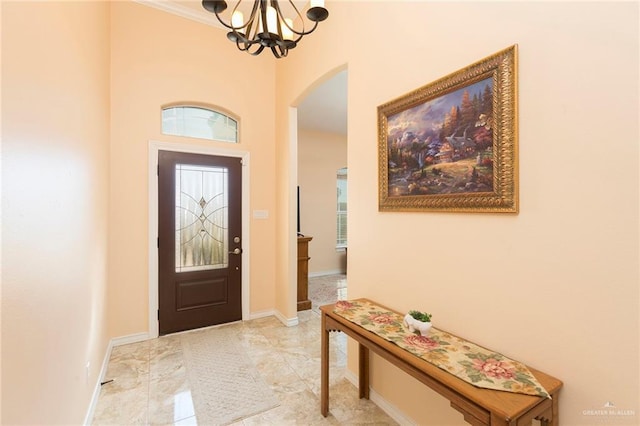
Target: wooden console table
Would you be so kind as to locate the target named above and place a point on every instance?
(479, 406)
(303, 273)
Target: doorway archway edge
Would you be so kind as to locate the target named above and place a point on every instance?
(313, 85)
(292, 183)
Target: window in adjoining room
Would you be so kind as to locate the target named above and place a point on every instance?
(341, 241)
(199, 122)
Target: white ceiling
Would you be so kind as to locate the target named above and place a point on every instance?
(325, 109)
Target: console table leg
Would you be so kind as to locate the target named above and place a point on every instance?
(556, 410)
(324, 370)
(363, 371)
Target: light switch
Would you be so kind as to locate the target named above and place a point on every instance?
(261, 214)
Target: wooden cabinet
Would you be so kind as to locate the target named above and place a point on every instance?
(303, 273)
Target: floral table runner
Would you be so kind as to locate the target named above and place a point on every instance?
(467, 361)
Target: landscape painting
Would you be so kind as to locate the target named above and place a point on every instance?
(445, 145)
(451, 145)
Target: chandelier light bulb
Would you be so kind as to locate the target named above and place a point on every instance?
(272, 20)
(237, 21)
(287, 34)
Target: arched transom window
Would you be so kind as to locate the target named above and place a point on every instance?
(199, 122)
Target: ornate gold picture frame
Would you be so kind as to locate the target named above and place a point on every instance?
(452, 145)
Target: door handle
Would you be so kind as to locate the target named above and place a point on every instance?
(236, 251)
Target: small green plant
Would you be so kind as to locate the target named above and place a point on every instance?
(420, 316)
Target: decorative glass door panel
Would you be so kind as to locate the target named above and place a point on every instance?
(201, 220)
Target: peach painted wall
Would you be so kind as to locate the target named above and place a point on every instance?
(320, 155)
(1, 34)
(555, 286)
(55, 137)
(157, 59)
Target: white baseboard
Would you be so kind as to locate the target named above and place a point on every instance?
(384, 405)
(117, 341)
(289, 322)
(96, 390)
(261, 314)
(325, 273)
(131, 338)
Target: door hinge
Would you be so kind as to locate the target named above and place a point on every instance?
(158, 314)
(158, 241)
(158, 170)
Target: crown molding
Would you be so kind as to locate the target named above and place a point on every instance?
(178, 9)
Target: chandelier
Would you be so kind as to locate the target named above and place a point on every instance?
(279, 34)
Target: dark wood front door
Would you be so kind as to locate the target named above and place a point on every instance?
(200, 240)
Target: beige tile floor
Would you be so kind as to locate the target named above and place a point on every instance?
(150, 384)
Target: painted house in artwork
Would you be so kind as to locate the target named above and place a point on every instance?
(455, 148)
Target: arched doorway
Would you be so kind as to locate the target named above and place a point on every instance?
(321, 158)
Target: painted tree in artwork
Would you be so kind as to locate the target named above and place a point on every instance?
(468, 118)
(487, 101)
(483, 137)
(451, 122)
(477, 104)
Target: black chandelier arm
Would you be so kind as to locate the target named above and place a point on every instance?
(217, 7)
(222, 22)
(281, 17)
(280, 52)
(231, 27)
(246, 47)
(256, 52)
(303, 33)
(276, 6)
(247, 44)
(247, 26)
